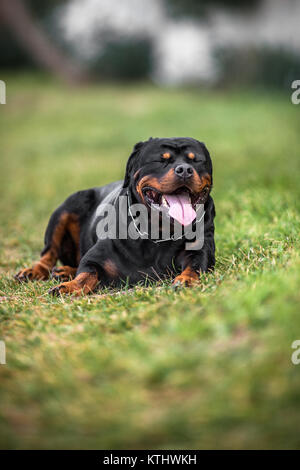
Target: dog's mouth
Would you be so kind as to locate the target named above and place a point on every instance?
(180, 204)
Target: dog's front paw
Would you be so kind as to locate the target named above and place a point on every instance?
(57, 290)
(67, 288)
(24, 275)
(63, 273)
(187, 278)
(36, 273)
(83, 284)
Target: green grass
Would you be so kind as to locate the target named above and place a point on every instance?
(208, 367)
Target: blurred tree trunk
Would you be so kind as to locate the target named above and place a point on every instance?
(31, 37)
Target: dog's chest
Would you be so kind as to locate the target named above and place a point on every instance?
(150, 260)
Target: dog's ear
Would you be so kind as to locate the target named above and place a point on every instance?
(133, 162)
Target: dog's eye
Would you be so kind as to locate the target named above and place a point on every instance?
(167, 157)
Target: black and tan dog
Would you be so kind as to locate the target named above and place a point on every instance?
(174, 172)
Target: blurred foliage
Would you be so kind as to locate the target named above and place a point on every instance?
(200, 8)
(125, 59)
(264, 66)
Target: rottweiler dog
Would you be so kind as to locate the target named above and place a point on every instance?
(172, 175)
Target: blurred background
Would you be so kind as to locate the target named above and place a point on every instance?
(168, 42)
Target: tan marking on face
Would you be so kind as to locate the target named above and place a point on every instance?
(163, 184)
(169, 183)
(191, 155)
(204, 180)
(136, 174)
(166, 155)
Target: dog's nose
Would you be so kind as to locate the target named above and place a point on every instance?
(184, 171)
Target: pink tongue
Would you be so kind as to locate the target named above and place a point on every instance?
(181, 208)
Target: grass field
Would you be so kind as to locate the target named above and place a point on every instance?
(207, 367)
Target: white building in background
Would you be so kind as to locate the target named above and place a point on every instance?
(183, 49)
(183, 53)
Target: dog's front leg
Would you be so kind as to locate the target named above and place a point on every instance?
(187, 278)
(84, 283)
(96, 266)
(196, 262)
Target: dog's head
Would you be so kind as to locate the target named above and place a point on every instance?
(174, 174)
